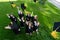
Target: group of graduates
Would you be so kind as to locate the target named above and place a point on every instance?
(29, 22)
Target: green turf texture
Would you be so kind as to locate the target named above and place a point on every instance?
(47, 15)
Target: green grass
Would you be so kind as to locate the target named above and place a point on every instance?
(47, 15)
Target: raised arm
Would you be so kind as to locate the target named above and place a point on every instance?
(19, 19)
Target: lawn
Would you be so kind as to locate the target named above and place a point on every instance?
(47, 15)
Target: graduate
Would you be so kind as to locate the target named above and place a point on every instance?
(34, 18)
(26, 25)
(14, 24)
(12, 17)
(35, 26)
(28, 17)
(29, 27)
(20, 13)
(23, 7)
(14, 27)
(22, 21)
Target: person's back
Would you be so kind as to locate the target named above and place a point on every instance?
(14, 25)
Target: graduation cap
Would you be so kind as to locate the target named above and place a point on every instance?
(12, 4)
(56, 26)
(56, 29)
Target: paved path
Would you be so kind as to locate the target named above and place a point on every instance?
(56, 3)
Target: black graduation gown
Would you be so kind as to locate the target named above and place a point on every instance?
(34, 27)
(56, 26)
(13, 19)
(33, 20)
(15, 27)
(28, 30)
(28, 18)
(22, 23)
(23, 6)
(21, 15)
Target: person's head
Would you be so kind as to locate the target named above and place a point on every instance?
(28, 14)
(30, 24)
(11, 23)
(21, 12)
(35, 17)
(12, 15)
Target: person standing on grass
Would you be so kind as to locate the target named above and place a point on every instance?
(21, 17)
(23, 7)
(35, 26)
(34, 18)
(20, 13)
(29, 27)
(28, 17)
(26, 25)
(22, 22)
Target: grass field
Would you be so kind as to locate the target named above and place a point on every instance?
(47, 15)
